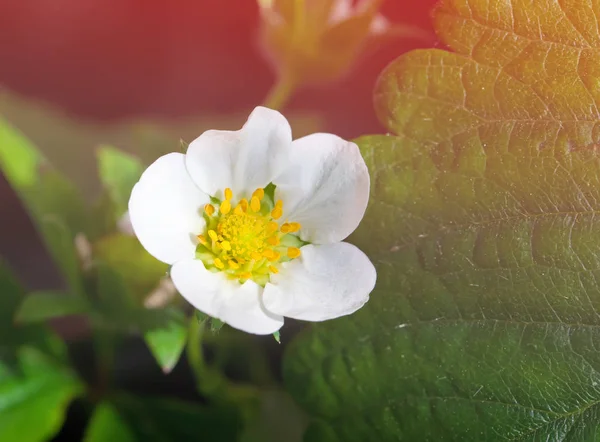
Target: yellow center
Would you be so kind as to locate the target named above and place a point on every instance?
(247, 241)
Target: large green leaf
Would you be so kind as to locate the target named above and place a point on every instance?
(34, 399)
(54, 204)
(483, 224)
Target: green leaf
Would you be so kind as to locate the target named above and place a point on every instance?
(167, 343)
(164, 420)
(41, 306)
(33, 401)
(140, 271)
(55, 205)
(12, 336)
(107, 425)
(119, 172)
(61, 245)
(483, 224)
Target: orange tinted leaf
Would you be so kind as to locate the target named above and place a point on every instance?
(483, 223)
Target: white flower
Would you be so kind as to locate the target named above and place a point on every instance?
(252, 223)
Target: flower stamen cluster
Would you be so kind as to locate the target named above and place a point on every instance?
(245, 240)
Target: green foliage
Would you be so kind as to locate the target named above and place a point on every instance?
(483, 224)
(36, 386)
(118, 172)
(33, 401)
(107, 425)
(168, 342)
(41, 306)
(139, 270)
(162, 420)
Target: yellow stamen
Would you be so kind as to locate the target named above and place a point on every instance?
(244, 204)
(255, 204)
(209, 209)
(228, 194)
(286, 228)
(293, 252)
(259, 193)
(256, 256)
(268, 253)
(213, 235)
(277, 212)
(234, 265)
(225, 207)
(219, 264)
(238, 210)
(202, 239)
(275, 257)
(245, 275)
(274, 269)
(272, 227)
(273, 240)
(226, 245)
(294, 227)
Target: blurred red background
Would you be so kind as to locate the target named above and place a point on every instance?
(109, 59)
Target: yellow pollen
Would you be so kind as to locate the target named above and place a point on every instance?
(293, 252)
(272, 227)
(259, 193)
(219, 264)
(225, 207)
(277, 212)
(245, 242)
(234, 265)
(209, 209)
(255, 204)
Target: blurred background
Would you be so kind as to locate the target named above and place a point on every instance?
(141, 76)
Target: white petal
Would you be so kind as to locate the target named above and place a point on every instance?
(242, 160)
(325, 188)
(238, 305)
(326, 282)
(165, 210)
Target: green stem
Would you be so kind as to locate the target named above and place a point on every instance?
(209, 382)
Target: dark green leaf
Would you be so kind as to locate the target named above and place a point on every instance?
(166, 420)
(119, 172)
(107, 425)
(483, 224)
(33, 401)
(41, 306)
(167, 343)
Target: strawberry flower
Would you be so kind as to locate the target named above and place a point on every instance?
(252, 223)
